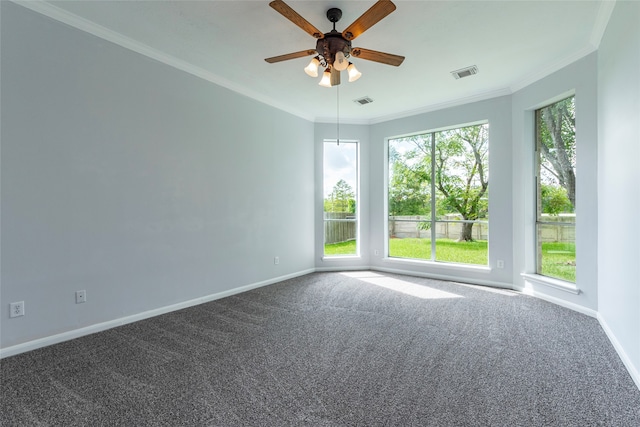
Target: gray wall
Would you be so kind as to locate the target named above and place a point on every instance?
(498, 113)
(619, 175)
(138, 182)
(579, 78)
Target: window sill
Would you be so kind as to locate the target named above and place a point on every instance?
(341, 257)
(439, 264)
(562, 285)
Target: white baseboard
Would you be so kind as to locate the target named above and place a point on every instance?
(99, 327)
(77, 333)
(447, 278)
(557, 301)
(633, 370)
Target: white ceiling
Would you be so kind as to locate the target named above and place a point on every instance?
(513, 43)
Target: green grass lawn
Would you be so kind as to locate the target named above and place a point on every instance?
(342, 248)
(558, 259)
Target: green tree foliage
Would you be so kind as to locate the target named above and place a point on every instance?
(341, 199)
(462, 166)
(408, 187)
(554, 200)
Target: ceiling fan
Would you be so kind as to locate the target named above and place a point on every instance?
(333, 49)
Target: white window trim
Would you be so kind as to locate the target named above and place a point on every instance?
(538, 279)
(357, 255)
(439, 264)
(387, 258)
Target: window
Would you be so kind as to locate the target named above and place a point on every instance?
(438, 196)
(556, 190)
(340, 198)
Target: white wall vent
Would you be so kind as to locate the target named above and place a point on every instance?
(465, 72)
(363, 101)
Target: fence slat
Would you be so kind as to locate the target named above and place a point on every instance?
(339, 227)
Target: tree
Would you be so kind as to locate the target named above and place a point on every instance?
(557, 135)
(341, 198)
(554, 200)
(460, 176)
(408, 187)
(462, 160)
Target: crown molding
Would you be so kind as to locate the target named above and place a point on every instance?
(602, 20)
(47, 9)
(600, 25)
(482, 96)
(551, 68)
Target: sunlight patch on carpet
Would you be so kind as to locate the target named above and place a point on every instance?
(401, 286)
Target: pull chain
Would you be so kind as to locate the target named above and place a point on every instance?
(338, 114)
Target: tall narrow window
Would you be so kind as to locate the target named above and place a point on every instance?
(340, 198)
(438, 196)
(556, 190)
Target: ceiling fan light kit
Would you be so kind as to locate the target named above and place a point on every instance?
(354, 74)
(326, 79)
(312, 68)
(333, 49)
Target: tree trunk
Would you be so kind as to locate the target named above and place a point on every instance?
(465, 232)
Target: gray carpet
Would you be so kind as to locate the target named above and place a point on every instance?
(328, 349)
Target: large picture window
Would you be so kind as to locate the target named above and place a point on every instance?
(556, 190)
(340, 198)
(438, 196)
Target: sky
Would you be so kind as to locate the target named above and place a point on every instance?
(340, 162)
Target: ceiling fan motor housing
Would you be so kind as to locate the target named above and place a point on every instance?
(331, 44)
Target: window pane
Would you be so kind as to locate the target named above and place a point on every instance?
(340, 196)
(557, 255)
(409, 237)
(556, 146)
(410, 197)
(458, 174)
(450, 249)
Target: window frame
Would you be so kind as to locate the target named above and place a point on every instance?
(538, 276)
(433, 220)
(357, 191)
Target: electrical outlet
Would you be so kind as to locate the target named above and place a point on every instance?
(500, 263)
(16, 309)
(276, 260)
(81, 296)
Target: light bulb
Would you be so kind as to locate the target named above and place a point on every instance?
(312, 68)
(326, 78)
(354, 74)
(340, 62)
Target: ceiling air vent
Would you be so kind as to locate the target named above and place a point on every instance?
(363, 101)
(465, 72)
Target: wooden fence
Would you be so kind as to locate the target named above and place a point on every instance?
(408, 227)
(339, 227)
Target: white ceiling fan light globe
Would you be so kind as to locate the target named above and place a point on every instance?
(340, 63)
(312, 68)
(354, 74)
(326, 79)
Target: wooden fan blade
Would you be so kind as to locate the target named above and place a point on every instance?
(335, 77)
(293, 16)
(374, 55)
(368, 19)
(293, 55)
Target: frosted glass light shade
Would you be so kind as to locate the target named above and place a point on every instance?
(340, 63)
(354, 74)
(326, 78)
(312, 68)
